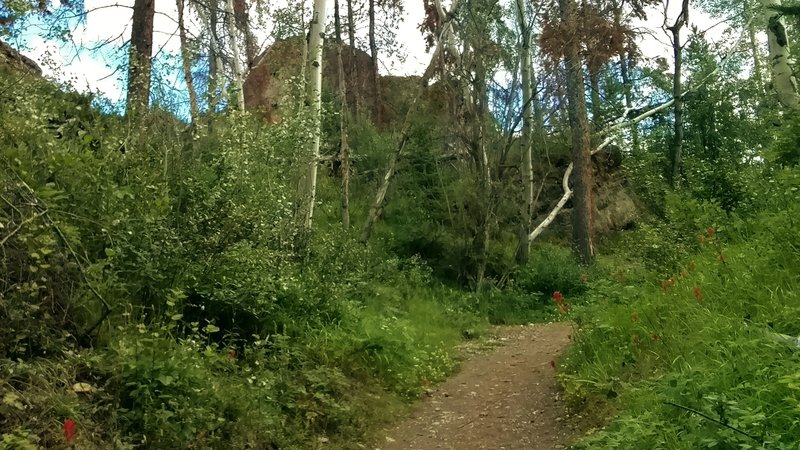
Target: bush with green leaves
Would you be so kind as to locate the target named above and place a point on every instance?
(705, 355)
(162, 298)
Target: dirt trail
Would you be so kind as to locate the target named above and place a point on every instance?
(504, 398)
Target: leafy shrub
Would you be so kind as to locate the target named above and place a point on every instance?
(551, 268)
(699, 351)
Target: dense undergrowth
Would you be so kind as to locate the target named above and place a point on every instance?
(690, 336)
(155, 293)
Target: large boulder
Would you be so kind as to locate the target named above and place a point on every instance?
(11, 58)
(268, 82)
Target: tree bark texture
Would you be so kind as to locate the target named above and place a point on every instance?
(526, 63)
(783, 81)
(238, 76)
(344, 147)
(313, 86)
(373, 51)
(242, 17)
(677, 94)
(215, 76)
(581, 145)
(187, 62)
(140, 59)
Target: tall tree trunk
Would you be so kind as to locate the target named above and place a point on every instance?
(479, 108)
(187, 62)
(373, 50)
(337, 22)
(753, 45)
(238, 77)
(627, 88)
(524, 245)
(243, 24)
(351, 25)
(783, 80)
(677, 94)
(215, 76)
(344, 147)
(314, 101)
(581, 143)
(597, 115)
(140, 57)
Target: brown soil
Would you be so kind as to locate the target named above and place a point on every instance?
(504, 398)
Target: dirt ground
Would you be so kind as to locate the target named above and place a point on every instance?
(505, 397)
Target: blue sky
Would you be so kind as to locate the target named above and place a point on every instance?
(89, 67)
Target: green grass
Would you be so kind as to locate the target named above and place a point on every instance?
(664, 353)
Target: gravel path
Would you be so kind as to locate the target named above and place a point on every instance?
(503, 398)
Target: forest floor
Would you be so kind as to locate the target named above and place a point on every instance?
(505, 396)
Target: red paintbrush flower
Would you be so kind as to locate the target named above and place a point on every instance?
(69, 430)
(634, 316)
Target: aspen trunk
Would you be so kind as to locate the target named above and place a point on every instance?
(373, 50)
(215, 76)
(783, 80)
(344, 148)
(677, 94)
(313, 87)
(753, 45)
(627, 86)
(238, 77)
(524, 245)
(187, 63)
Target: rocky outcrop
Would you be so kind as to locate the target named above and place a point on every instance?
(267, 86)
(10, 57)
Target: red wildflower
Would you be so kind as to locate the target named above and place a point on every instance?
(692, 266)
(558, 297)
(552, 363)
(710, 231)
(667, 283)
(698, 294)
(232, 354)
(69, 430)
(634, 316)
(654, 337)
(425, 382)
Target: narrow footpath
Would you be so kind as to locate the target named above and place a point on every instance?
(503, 398)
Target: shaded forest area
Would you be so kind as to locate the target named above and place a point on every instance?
(293, 255)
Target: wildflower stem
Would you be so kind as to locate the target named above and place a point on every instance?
(694, 411)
